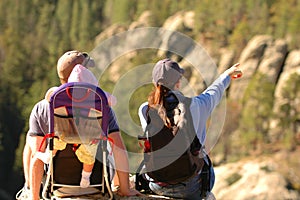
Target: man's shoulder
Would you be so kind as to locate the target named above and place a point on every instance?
(42, 105)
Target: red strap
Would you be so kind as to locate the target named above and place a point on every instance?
(48, 135)
(95, 141)
(79, 99)
(75, 147)
(146, 146)
(110, 140)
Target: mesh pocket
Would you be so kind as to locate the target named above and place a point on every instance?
(77, 130)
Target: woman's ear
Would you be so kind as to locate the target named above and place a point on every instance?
(177, 85)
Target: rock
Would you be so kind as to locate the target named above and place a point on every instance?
(291, 66)
(251, 179)
(263, 54)
(293, 60)
(189, 19)
(249, 60)
(145, 20)
(178, 23)
(272, 60)
(255, 48)
(226, 60)
(276, 130)
(109, 32)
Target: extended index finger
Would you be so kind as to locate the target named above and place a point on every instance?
(236, 65)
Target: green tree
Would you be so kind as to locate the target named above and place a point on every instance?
(294, 24)
(257, 109)
(121, 12)
(63, 15)
(285, 20)
(14, 77)
(289, 114)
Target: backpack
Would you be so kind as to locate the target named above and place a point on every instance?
(171, 154)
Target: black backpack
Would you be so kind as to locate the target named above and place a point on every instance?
(171, 154)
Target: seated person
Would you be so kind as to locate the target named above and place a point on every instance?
(38, 128)
(85, 153)
(166, 76)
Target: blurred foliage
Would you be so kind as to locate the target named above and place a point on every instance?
(289, 111)
(254, 126)
(33, 34)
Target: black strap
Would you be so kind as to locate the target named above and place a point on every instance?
(205, 177)
(141, 183)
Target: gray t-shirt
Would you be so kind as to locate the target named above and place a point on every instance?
(39, 120)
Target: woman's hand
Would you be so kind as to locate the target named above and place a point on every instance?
(234, 72)
(130, 192)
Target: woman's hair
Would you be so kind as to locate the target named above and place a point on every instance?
(156, 100)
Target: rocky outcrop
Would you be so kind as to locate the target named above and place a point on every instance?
(273, 59)
(291, 67)
(263, 54)
(109, 32)
(250, 59)
(181, 22)
(145, 20)
(226, 60)
(252, 179)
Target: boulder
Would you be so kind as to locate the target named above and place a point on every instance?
(291, 66)
(273, 59)
(226, 60)
(177, 24)
(251, 179)
(292, 61)
(109, 32)
(276, 130)
(145, 20)
(249, 60)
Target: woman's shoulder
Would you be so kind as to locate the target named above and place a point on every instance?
(143, 109)
(145, 104)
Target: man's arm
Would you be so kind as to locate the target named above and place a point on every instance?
(26, 162)
(36, 165)
(122, 165)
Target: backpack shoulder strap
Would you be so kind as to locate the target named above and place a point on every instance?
(186, 101)
(182, 98)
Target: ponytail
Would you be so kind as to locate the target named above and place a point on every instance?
(156, 100)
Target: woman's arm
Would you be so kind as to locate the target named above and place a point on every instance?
(211, 97)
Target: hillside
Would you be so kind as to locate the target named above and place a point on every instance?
(262, 113)
(257, 119)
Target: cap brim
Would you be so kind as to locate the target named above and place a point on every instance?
(88, 61)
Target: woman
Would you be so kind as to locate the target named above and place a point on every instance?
(166, 76)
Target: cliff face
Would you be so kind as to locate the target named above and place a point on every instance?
(256, 178)
(264, 61)
(264, 55)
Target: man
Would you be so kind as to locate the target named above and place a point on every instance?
(38, 127)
